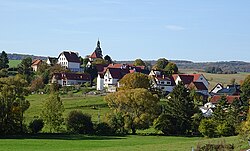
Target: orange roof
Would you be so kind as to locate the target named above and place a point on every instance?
(230, 98)
(36, 62)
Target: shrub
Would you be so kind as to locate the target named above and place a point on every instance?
(103, 129)
(80, 123)
(207, 127)
(222, 146)
(36, 125)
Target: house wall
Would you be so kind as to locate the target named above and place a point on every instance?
(217, 88)
(34, 67)
(203, 79)
(63, 61)
(73, 66)
(164, 85)
(100, 83)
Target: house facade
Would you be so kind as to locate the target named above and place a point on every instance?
(35, 64)
(69, 60)
(69, 79)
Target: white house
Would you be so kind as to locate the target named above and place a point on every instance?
(217, 88)
(69, 60)
(100, 82)
(189, 78)
(69, 79)
(51, 61)
(163, 83)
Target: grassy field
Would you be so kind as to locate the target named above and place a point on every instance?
(106, 143)
(92, 105)
(14, 63)
(220, 78)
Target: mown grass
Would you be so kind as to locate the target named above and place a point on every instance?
(62, 142)
(93, 105)
(14, 63)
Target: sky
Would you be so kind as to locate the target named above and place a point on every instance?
(195, 30)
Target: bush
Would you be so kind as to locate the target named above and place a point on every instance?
(103, 129)
(207, 127)
(222, 146)
(36, 125)
(80, 123)
(225, 129)
(117, 123)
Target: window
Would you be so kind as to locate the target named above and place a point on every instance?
(162, 82)
(168, 83)
(162, 88)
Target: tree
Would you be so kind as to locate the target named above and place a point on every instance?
(36, 125)
(4, 61)
(135, 80)
(178, 112)
(108, 59)
(37, 84)
(160, 64)
(139, 62)
(12, 104)
(245, 88)
(171, 68)
(24, 68)
(99, 61)
(80, 123)
(138, 107)
(52, 113)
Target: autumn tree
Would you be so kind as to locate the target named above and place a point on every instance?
(37, 84)
(12, 104)
(4, 61)
(52, 113)
(178, 112)
(134, 80)
(138, 107)
(139, 62)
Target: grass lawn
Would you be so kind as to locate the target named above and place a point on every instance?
(106, 143)
(92, 105)
(14, 63)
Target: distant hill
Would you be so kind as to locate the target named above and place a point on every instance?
(15, 56)
(238, 66)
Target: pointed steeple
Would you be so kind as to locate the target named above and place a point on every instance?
(98, 49)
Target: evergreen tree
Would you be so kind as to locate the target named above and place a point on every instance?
(4, 61)
(178, 112)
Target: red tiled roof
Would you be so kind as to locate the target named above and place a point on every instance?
(36, 62)
(230, 98)
(100, 67)
(71, 56)
(198, 86)
(117, 73)
(72, 76)
(196, 76)
(94, 55)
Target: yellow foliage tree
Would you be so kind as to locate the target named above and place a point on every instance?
(135, 80)
(138, 107)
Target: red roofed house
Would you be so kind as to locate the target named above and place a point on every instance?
(35, 64)
(69, 60)
(162, 82)
(69, 79)
(229, 98)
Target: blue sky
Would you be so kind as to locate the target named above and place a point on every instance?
(196, 30)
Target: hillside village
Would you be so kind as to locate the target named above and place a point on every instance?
(108, 76)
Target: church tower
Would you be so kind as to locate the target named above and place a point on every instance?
(98, 50)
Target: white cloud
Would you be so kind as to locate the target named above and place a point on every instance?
(175, 27)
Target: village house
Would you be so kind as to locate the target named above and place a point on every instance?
(69, 79)
(69, 60)
(109, 78)
(162, 82)
(51, 61)
(35, 64)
